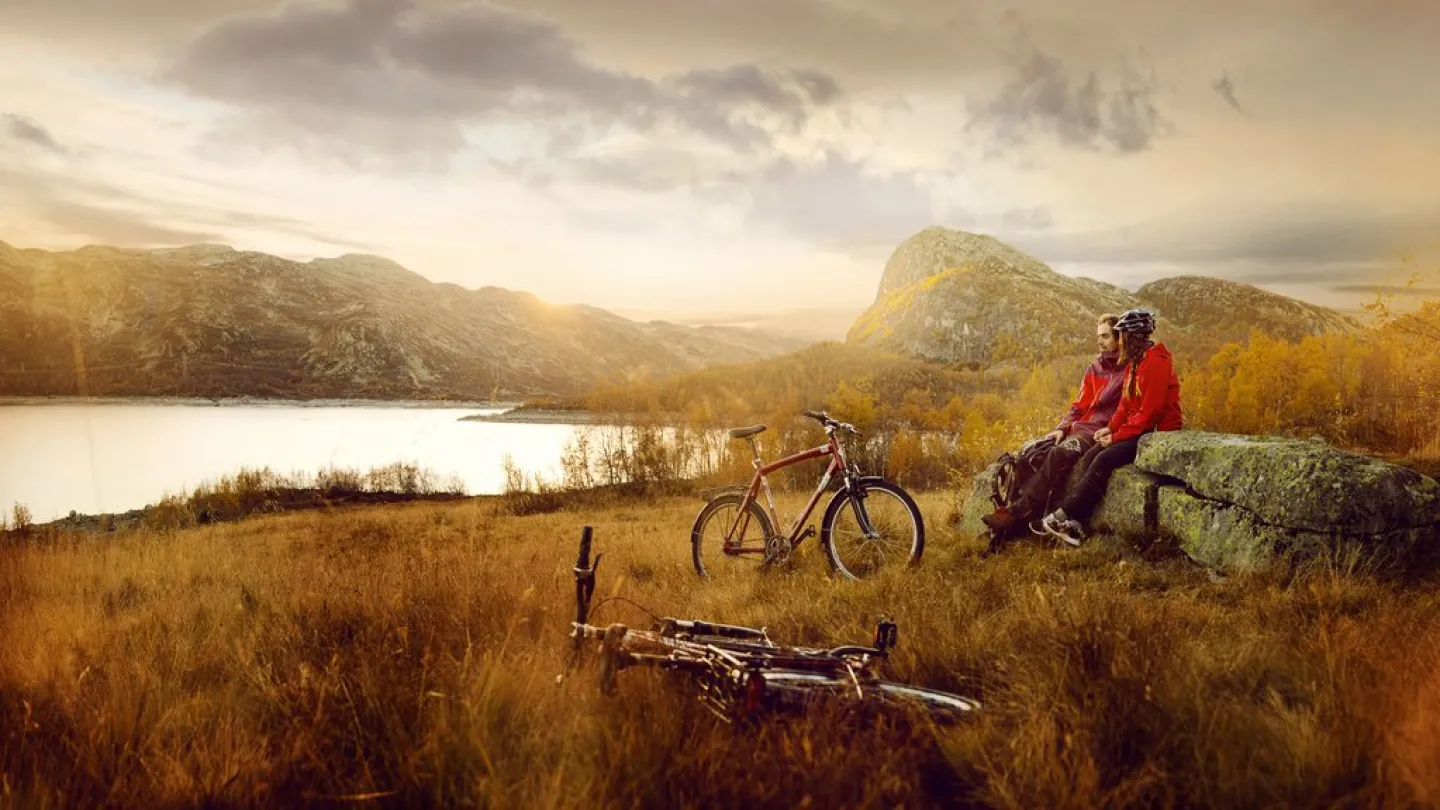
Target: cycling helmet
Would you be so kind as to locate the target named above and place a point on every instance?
(1135, 320)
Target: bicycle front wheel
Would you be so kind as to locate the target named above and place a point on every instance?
(793, 690)
(872, 525)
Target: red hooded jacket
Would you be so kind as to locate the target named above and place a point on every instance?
(1155, 404)
(1099, 396)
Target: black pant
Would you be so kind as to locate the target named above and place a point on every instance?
(1098, 465)
(1036, 493)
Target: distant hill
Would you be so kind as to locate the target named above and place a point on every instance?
(1227, 310)
(809, 325)
(208, 320)
(955, 297)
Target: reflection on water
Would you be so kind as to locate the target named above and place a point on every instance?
(114, 457)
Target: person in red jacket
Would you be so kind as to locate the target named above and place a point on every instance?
(1075, 435)
(1149, 401)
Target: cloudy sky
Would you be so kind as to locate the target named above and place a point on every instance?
(679, 156)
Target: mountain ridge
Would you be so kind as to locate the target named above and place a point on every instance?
(210, 320)
(951, 296)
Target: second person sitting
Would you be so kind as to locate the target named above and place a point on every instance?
(1149, 401)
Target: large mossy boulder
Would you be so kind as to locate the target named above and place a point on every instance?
(1249, 502)
(1295, 484)
(1235, 538)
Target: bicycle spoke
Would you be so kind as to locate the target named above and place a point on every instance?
(891, 542)
(730, 541)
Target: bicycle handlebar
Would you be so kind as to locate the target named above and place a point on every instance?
(829, 423)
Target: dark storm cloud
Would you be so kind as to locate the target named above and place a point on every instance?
(1044, 96)
(792, 93)
(419, 68)
(27, 130)
(1226, 89)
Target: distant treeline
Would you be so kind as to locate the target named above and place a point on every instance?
(928, 425)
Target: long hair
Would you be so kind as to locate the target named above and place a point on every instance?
(1133, 346)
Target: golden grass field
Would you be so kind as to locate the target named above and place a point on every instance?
(405, 655)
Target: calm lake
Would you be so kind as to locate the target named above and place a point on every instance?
(111, 457)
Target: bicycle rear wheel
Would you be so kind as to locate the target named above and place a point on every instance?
(725, 540)
(873, 525)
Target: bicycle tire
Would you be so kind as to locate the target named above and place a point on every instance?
(868, 485)
(697, 531)
(797, 690)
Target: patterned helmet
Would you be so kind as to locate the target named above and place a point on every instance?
(1136, 320)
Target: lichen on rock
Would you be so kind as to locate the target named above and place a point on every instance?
(1128, 508)
(1295, 484)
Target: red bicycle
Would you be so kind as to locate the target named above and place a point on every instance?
(738, 672)
(870, 522)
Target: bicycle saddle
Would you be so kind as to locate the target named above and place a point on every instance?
(746, 432)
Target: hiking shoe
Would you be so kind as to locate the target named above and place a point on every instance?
(1058, 525)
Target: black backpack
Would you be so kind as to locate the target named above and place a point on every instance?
(1015, 469)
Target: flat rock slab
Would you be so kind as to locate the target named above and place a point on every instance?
(1295, 484)
(1130, 506)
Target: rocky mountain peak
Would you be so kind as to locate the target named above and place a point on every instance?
(956, 297)
(936, 249)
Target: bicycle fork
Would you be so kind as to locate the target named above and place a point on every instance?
(857, 502)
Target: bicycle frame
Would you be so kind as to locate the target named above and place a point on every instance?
(737, 670)
(760, 480)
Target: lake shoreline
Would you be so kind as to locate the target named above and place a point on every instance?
(542, 416)
(246, 401)
(120, 453)
(283, 501)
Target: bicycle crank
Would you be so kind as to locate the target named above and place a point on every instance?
(777, 550)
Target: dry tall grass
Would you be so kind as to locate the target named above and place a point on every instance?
(405, 655)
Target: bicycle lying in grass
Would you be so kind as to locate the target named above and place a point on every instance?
(868, 523)
(739, 672)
